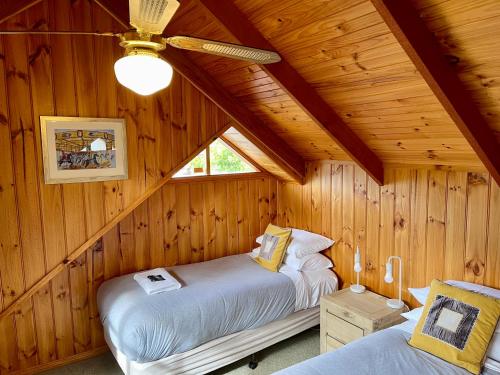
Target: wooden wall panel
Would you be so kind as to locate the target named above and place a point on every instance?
(444, 224)
(42, 224)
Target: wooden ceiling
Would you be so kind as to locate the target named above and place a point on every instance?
(356, 81)
(347, 53)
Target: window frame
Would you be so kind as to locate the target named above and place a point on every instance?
(231, 147)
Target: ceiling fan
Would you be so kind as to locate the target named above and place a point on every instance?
(142, 69)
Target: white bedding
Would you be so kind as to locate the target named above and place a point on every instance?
(309, 285)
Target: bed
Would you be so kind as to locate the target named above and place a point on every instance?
(227, 309)
(381, 353)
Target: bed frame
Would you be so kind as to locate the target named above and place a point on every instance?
(222, 351)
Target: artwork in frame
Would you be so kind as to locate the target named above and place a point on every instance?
(77, 149)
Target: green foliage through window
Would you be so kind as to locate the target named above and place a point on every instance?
(223, 160)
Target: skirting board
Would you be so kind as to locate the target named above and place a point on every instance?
(222, 351)
(62, 362)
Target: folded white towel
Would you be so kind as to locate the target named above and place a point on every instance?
(157, 281)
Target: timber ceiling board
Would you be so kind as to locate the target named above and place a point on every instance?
(467, 31)
(346, 52)
(253, 87)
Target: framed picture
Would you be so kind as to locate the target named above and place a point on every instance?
(77, 149)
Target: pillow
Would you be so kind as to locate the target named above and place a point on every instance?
(313, 262)
(421, 294)
(273, 247)
(305, 243)
(414, 314)
(456, 325)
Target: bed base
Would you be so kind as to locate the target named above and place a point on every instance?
(222, 351)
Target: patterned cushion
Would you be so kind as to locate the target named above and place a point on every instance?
(456, 325)
(273, 247)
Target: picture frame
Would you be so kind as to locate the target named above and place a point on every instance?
(83, 149)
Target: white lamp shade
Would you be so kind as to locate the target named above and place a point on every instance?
(143, 74)
(357, 267)
(388, 273)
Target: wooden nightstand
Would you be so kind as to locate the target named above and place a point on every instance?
(347, 316)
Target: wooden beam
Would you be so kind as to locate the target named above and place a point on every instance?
(424, 50)
(235, 22)
(246, 122)
(105, 229)
(9, 8)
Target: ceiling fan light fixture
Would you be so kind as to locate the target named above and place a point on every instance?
(143, 71)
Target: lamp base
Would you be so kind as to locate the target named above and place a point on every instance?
(395, 303)
(356, 288)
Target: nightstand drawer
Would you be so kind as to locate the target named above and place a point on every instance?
(342, 330)
(332, 344)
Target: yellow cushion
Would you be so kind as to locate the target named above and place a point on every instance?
(273, 247)
(456, 325)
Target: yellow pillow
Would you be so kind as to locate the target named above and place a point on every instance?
(456, 325)
(273, 247)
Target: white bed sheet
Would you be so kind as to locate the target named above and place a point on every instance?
(309, 285)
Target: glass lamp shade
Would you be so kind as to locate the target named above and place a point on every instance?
(388, 273)
(144, 74)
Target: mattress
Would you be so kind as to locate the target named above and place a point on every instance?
(381, 353)
(222, 351)
(218, 298)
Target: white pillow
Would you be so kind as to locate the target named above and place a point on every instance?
(304, 243)
(421, 294)
(414, 314)
(313, 262)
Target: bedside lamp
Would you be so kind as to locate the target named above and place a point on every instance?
(357, 268)
(394, 303)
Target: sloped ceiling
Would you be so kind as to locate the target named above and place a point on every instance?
(345, 51)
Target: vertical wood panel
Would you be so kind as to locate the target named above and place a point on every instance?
(230, 217)
(196, 208)
(436, 211)
(243, 217)
(209, 218)
(386, 228)
(442, 223)
(24, 155)
(402, 224)
(360, 201)
(224, 202)
(456, 204)
(316, 198)
(492, 276)
(477, 226)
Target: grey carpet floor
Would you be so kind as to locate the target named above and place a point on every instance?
(281, 355)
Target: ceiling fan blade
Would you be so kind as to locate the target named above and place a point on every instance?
(152, 16)
(41, 32)
(234, 51)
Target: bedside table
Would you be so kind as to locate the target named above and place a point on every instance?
(346, 316)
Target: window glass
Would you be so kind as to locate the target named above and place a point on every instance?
(196, 167)
(224, 160)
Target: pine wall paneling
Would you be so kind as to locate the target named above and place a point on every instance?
(443, 223)
(41, 224)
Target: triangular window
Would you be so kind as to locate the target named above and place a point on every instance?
(217, 159)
